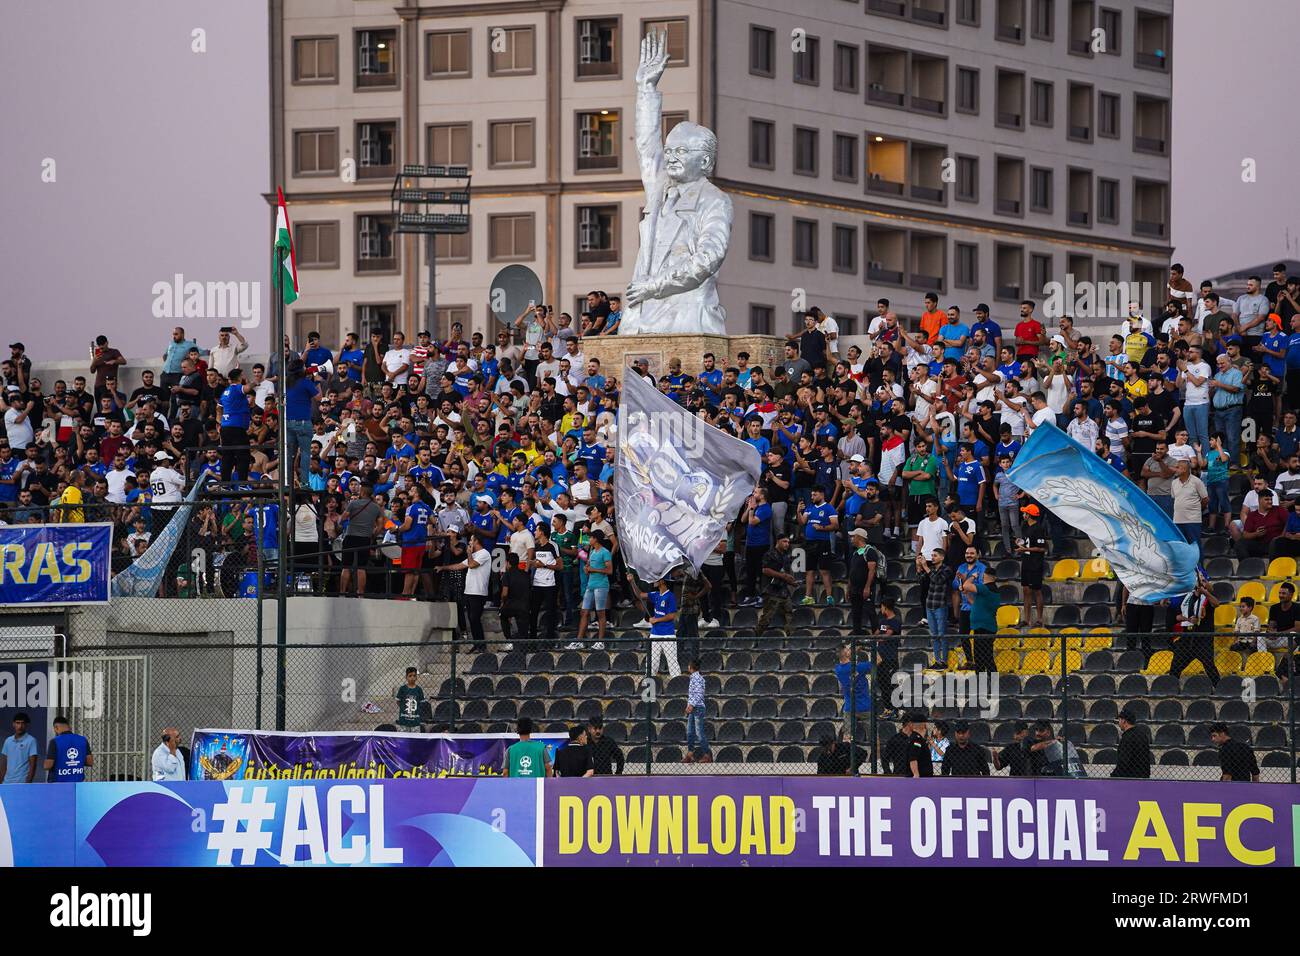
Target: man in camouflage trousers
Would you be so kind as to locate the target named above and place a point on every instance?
(777, 581)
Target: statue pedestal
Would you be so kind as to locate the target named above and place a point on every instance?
(618, 352)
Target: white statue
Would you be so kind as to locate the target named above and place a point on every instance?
(687, 221)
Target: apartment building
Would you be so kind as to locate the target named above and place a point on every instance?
(979, 149)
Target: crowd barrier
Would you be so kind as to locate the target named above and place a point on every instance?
(663, 821)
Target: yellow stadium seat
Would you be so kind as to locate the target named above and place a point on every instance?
(1258, 664)
(1228, 662)
(1251, 589)
(1223, 641)
(1008, 662)
(1279, 569)
(1102, 630)
(1064, 570)
(1195, 667)
(1073, 660)
(1036, 662)
(1071, 630)
(1036, 643)
(1038, 630)
(1159, 663)
(957, 659)
(1006, 644)
(1261, 612)
(1098, 569)
(1008, 615)
(1224, 615)
(1097, 642)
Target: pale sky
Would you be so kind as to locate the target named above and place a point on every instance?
(161, 156)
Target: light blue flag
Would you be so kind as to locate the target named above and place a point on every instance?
(678, 481)
(1141, 542)
(144, 575)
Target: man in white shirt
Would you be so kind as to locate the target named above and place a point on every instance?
(1011, 407)
(573, 352)
(1082, 428)
(1042, 412)
(1194, 377)
(549, 366)
(1252, 308)
(225, 356)
(478, 569)
(18, 426)
(931, 532)
(397, 360)
(831, 329)
(167, 762)
(116, 478)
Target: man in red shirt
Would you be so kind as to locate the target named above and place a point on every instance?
(1030, 335)
(1261, 528)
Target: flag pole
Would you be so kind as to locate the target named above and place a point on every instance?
(282, 537)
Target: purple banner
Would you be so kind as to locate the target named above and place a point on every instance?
(268, 755)
(886, 821)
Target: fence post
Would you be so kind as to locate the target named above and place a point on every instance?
(1291, 662)
(653, 687)
(873, 649)
(1065, 694)
(455, 640)
(853, 704)
(261, 583)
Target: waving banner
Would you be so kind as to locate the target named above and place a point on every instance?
(145, 574)
(678, 481)
(1132, 532)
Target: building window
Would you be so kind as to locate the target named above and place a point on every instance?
(448, 144)
(451, 247)
(1040, 274)
(968, 178)
(805, 243)
(1108, 115)
(376, 251)
(1010, 25)
(762, 135)
(846, 68)
(668, 120)
(1108, 201)
(1008, 272)
(376, 59)
(511, 50)
(324, 321)
(315, 152)
(597, 235)
(677, 38)
(805, 151)
(1107, 272)
(846, 157)
(762, 318)
(372, 317)
(807, 68)
(377, 149)
(762, 51)
(510, 143)
(316, 245)
(968, 12)
(844, 250)
(968, 90)
(510, 237)
(448, 54)
(598, 48)
(598, 140)
(1040, 189)
(966, 262)
(1042, 21)
(1110, 24)
(762, 236)
(1010, 99)
(848, 324)
(316, 59)
(1040, 103)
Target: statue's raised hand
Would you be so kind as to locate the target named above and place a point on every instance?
(654, 58)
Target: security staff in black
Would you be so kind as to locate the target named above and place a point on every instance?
(919, 761)
(963, 758)
(1134, 757)
(894, 754)
(1015, 755)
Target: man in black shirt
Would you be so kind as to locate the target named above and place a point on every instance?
(1236, 760)
(575, 760)
(894, 753)
(832, 758)
(1033, 559)
(1014, 756)
(605, 753)
(919, 762)
(1145, 429)
(812, 343)
(891, 629)
(963, 758)
(1134, 758)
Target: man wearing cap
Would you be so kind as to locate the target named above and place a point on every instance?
(1134, 757)
(21, 364)
(1032, 548)
(963, 758)
(167, 487)
(866, 576)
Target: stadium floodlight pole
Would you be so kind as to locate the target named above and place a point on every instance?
(282, 527)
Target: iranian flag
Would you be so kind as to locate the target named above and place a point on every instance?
(287, 277)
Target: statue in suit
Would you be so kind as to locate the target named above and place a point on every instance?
(687, 221)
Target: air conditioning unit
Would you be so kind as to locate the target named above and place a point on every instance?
(589, 231)
(367, 55)
(369, 146)
(589, 43)
(589, 139)
(371, 242)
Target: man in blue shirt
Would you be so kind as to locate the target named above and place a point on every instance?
(415, 538)
(235, 416)
(426, 470)
(353, 355)
(8, 483)
(1293, 358)
(591, 453)
(68, 755)
(972, 569)
(298, 400)
(954, 335)
(992, 331)
(970, 479)
(315, 353)
(18, 754)
(663, 624)
(820, 524)
(758, 538)
(711, 379)
(855, 685)
(1010, 367)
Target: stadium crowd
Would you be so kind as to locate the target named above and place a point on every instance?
(481, 471)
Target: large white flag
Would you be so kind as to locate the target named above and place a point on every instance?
(678, 481)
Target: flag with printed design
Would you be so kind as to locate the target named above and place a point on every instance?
(286, 278)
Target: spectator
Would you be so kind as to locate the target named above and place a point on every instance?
(166, 762)
(516, 599)
(574, 760)
(1246, 626)
(663, 627)
(963, 758)
(918, 761)
(1014, 757)
(1194, 640)
(1216, 484)
(224, 357)
(895, 752)
(527, 757)
(1050, 756)
(1032, 547)
(832, 757)
(697, 734)
(855, 685)
(606, 755)
(868, 571)
(1236, 759)
(478, 568)
(410, 699)
(779, 581)
(985, 601)
(68, 754)
(1134, 759)
(1189, 499)
(937, 579)
(1262, 528)
(597, 568)
(18, 753)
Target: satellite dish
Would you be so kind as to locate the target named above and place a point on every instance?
(514, 289)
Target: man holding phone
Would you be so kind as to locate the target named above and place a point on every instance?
(225, 356)
(167, 762)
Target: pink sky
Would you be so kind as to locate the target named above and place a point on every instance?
(162, 155)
